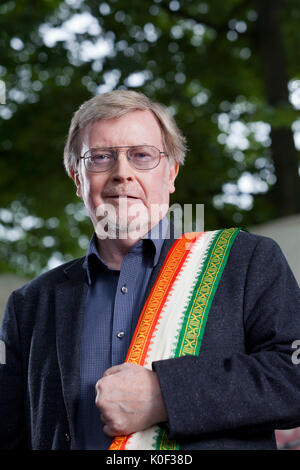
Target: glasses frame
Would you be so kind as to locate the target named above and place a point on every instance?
(119, 148)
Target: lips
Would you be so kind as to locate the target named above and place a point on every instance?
(116, 196)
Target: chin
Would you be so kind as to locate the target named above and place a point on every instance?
(122, 227)
(133, 227)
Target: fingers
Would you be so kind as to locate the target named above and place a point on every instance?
(128, 366)
(112, 370)
(109, 431)
(126, 397)
(107, 415)
(109, 427)
(116, 369)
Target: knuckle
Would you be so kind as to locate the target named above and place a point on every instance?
(100, 402)
(99, 385)
(113, 424)
(118, 426)
(108, 430)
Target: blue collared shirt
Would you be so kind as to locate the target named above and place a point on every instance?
(113, 305)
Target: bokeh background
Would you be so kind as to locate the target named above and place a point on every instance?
(229, 73)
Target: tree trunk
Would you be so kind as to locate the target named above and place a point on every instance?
(270, 48)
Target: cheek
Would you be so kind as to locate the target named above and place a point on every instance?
(85, 190)
(90, 194)
(158, 191)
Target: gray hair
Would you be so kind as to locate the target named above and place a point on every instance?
(115, 104)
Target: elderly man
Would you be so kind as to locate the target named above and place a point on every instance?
(148, 342)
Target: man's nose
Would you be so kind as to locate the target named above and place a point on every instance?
(122, 170)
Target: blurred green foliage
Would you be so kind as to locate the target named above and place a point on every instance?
(199, 58)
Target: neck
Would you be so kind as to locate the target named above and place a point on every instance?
(112, 251)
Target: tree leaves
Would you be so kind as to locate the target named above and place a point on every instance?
(200, 59)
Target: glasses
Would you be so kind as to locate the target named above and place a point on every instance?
(141, 157)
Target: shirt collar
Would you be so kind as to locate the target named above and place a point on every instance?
(157, 235)
(152, 241)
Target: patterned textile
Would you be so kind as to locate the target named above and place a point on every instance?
(173, 319)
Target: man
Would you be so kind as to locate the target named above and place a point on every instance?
(66, 383)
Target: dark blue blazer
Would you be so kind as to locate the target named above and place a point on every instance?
(242, 386)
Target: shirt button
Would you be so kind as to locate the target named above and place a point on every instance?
(121, 334)
(124, 290)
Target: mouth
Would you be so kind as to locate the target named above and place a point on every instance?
(123, 196)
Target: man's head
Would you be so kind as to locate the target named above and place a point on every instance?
(114, 105)
(124, 119)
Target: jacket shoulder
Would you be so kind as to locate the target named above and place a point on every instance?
(257, 253)
(254, 242)
(250, 247)
(71, 269)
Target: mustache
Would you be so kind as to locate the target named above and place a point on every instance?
(121, 192)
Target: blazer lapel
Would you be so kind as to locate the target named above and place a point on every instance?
(70, 298)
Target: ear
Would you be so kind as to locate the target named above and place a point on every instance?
(76, 179)
(173, 172)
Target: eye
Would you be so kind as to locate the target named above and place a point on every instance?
(141, 155)
(100, 157)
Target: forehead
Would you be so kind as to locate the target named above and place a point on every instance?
(134, 128)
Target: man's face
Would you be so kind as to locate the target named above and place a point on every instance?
(125, 188)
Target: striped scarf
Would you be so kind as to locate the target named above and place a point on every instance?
(174, 316)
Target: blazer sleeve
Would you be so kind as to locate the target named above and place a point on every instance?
(253, 390)
(12, 384)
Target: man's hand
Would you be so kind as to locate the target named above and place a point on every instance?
(129, 399)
